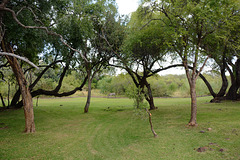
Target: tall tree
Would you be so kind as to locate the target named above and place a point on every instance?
(224, 49)
(27, 15)
(144, 49)
(84, 29)
(192, 23)
(7, 47)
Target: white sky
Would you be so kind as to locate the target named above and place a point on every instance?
(127, 6)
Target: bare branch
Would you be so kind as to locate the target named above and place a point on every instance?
(154, 19)
(202, 66)
(20, 10)
(150, 122)
(42, 28)
(162, 69)
(19, 57)
(31, 10)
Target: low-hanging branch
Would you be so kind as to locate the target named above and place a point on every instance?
(19, 57)
(54, 93)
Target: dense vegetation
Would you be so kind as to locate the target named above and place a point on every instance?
(162, 86)
(122, 84)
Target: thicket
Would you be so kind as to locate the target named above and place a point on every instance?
(122, 84)
(48, 81)
(162, 86)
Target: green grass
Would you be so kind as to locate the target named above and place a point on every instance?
(114, 130)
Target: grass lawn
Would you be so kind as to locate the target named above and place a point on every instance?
(114, 130)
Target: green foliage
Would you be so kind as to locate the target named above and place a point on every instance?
(104, 84)
(46, 83)
(9, 85)
(115, 84)
(28, 42)
(162, 86)
(138, 98)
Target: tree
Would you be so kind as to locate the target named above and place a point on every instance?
(224, 49)
(144, 48)
(191, 24)
(83, 31)
(26, 15)
(26, 96)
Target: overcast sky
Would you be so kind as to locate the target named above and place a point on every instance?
(127, 6)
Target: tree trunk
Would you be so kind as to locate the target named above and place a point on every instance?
(192, 84)
(223, 89)
(193, 120)
(3, 103)
(232, 92)
(8, 94)
(15, 99)
(220, 95)
(26, 95)
(149, 97)
(89, 93)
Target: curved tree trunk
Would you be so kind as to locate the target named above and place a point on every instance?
(149, 96)
(89, 93)
(223, 89)
(220, 95)
(23, 85)
(55, 92)
(16, 97)
(233, 90)
(26, 95)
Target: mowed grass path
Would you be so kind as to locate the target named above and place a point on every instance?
(114, 130)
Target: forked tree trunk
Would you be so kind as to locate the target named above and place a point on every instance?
(89, 94)
(26, 95)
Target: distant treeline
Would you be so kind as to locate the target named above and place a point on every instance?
(162, 86)
(122, 84)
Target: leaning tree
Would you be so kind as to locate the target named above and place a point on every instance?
(13, 36)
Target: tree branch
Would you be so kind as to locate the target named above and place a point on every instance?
(162, 69)
(150, 122)
(56, 94)
(202, 66)
(19, 57)
(42, 28)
